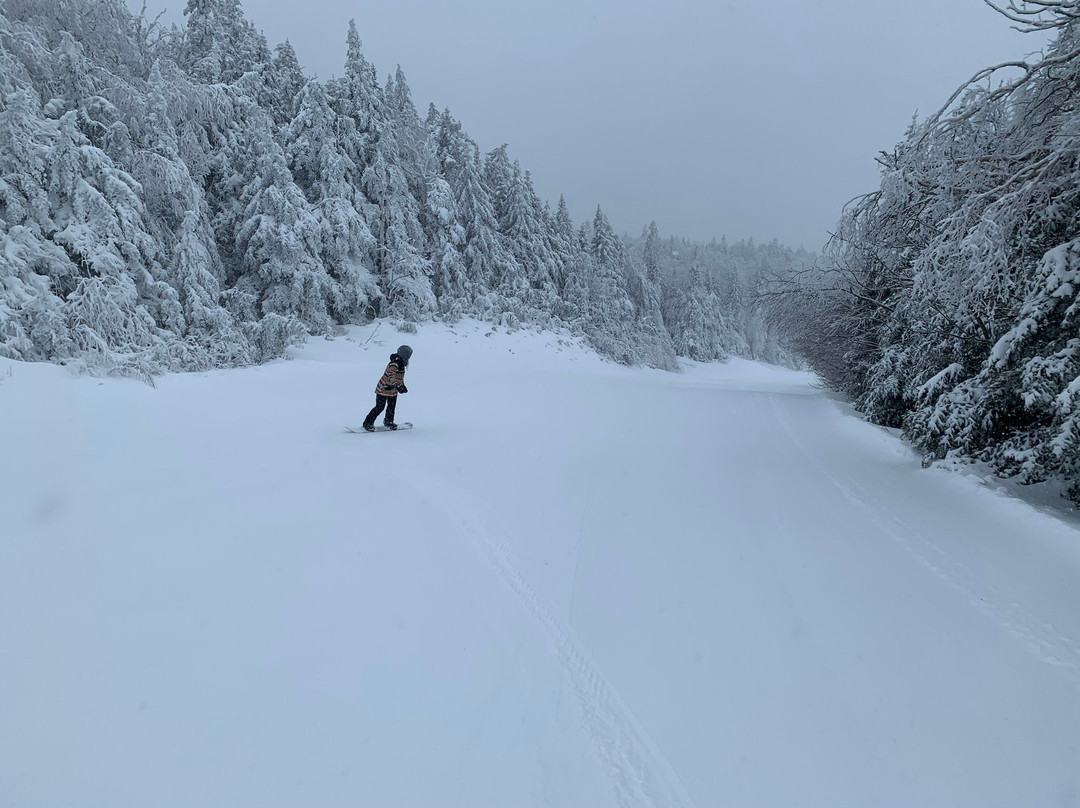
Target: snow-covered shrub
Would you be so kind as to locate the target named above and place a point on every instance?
(273, 335)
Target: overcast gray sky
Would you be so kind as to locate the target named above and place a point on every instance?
(757, 118)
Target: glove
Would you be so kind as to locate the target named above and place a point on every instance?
(402, 388)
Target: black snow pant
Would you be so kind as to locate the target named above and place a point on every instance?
(387, 402)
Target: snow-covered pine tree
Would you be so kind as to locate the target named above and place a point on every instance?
(282, 81)
(646, 293)
(179, 222)
(576, 299)
(401, 267)
(610, 311)
(34, 271)
(13, 72)
(414, 150)
(219, 43)
(486, 258)
(545, 279)
(118, 311)
(562, 232)
(525, 230)
(443, 233)
(499, 178)
(214, 338)
(651, 254)
(701, 332)
(447, 238)
(278, 238)
(330, 180)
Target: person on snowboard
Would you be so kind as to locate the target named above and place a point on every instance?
(386, 391)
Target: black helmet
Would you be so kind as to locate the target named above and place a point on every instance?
(405, 352)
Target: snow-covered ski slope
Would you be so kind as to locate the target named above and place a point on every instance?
(572, 584)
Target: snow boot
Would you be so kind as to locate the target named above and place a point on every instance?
(389, 424)
(369, 427)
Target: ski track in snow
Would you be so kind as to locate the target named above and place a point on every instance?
(1041, 639)
(640, 774)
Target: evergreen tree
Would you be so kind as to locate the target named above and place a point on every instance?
(400, 264)
(220, 44)
(117, 307)
(484, 255)
(701, 332)
(448, 239)
(330, 180)
(644, 288)
(278, 238)
(283, 79)
(414, 148)
(212, 332)
(525, 230)
(610, 311)
(651, 255)
(34, 272)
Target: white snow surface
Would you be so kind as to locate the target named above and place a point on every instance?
(572, 584)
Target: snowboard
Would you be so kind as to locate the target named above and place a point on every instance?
(359, 430)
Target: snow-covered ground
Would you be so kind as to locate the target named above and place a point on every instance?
(572, 584)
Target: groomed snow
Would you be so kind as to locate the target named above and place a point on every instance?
(572, 584)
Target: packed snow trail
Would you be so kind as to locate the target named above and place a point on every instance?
(571, 584)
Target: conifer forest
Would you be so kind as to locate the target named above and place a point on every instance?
(184, 198)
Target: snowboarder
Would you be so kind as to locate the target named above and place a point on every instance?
(386, 391)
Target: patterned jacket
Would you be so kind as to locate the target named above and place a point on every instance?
(391, 378)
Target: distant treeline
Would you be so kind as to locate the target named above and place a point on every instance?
(186, 198)
(948, 300)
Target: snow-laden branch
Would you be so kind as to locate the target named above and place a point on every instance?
(1038, 15)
